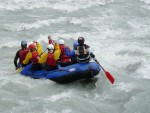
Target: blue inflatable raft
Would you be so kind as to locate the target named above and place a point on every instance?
(67, 74)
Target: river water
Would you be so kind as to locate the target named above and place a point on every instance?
(118, 32)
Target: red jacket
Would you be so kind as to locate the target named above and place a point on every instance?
(63, 57)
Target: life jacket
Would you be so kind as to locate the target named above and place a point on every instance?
(50, 60)
(82, 55)
(22, 54)
(34, 58)
(63, 57)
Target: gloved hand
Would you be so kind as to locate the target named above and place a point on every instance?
(34, 41)
(49, 37)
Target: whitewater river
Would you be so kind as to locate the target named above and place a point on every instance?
(118, 32)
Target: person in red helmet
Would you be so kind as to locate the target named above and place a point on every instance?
(21, 54)
(83, 52)
(32, 56)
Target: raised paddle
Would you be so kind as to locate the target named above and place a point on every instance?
(108, 75)
(27, 68)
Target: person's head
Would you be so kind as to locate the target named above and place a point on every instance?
(32, 47)
(50, 48)
(61, 42)
(81, 40)
(75, 44)
(23, 44)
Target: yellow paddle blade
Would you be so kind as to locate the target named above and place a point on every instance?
(19, 70)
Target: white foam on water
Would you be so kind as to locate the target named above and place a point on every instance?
(144, 71)
(146, 4)
(60, 96)
(34, 25)
(140, 27)
(76, 21)
(66, 111)
(145, 1)
(16, 80)
(71, 6)
(146, 7)
(65, 5)
(14, 5)
(127, 87)
(115, 47)
(11, 43)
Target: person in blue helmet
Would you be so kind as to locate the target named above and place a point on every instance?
(21, 54)
(71, 53)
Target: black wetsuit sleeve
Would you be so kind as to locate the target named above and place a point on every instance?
(16, 58)
(92, 55)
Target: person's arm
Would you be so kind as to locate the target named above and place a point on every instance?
(50, 41)
(69, 53)
(16, 58)
(39, 47)
(91, 54)
(57, 52)
(94, 58)
(43, 57)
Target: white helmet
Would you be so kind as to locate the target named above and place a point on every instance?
(61, 41)
(50, 46)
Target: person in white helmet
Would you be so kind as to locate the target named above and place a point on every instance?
(50, 58)
(64, 59)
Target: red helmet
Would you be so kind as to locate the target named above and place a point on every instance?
(32, 46)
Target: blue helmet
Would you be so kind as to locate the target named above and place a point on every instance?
(75, 44)
(24, 44)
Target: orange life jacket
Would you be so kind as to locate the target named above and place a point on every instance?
(22, 55)
(63, 56)
(50, 60)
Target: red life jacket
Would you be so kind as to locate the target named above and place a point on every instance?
(22, 55)
(63, 56)
(34, 57)
(50, 60)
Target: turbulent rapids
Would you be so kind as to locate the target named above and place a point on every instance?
(118, 33)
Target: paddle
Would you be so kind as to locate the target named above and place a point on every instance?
(27, 68)
(19, 70)
(108, 75)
